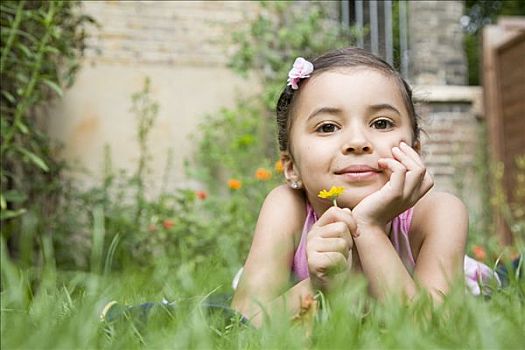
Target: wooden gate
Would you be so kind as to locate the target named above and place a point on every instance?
(504, 90)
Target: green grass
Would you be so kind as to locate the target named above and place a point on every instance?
(50, 309)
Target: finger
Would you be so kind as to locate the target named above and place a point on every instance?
(352, 224)
(336, 244)
(327, 245)
(336, 230)
(405, 159)
(411, 153)
(328, 262)
(415, 174)
(335, 214)
(418, 179)
(397, 179)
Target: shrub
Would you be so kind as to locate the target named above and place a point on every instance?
(41, 45)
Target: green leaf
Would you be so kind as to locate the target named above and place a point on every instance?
(7, 9)
(21, 33)
(51, 49)
(54, 86)
(9, 214)
(23, 128)
(23, 78)
(34, 158)
(29, 54)
(4, 127)
(9, 96)
(3, 203)
(13, 196)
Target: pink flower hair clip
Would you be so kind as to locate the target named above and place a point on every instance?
(301, 69)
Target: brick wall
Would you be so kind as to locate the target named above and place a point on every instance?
(450, 117)
(165, 32)
(436, 51)
(453, 143)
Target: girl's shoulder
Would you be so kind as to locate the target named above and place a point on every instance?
(288, 195)
(440, 212)
(287, 207)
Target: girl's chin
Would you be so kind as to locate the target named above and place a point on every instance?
(351, 198)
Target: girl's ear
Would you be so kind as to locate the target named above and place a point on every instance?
(290, 171)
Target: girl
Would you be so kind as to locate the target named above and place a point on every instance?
(347, 120)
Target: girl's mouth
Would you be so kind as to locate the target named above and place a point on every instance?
(359, 172)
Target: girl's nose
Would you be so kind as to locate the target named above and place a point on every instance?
(356, 143)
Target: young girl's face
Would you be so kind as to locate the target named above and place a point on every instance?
(343, 122)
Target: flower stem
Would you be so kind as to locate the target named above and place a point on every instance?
(335, 202)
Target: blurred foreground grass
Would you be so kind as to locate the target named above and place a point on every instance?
(63, 312)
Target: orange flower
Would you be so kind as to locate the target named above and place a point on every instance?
(234, 184)
(306, 315)
(168, 223)
(263, 174)
(479, 252)
(279, 166)
(202, 195)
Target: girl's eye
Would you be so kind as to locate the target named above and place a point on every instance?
(382, 124)
(327, 128)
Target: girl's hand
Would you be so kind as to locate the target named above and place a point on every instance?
(329, 248)
(409, 181)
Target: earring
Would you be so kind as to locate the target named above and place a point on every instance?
(295, 185)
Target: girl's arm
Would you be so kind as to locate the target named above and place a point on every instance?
(381, 264)
(265, 280)
(440, 223)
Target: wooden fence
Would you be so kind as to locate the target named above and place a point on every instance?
(504, 89)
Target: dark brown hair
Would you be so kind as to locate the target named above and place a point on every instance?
(350, 57)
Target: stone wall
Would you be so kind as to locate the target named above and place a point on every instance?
(436, 43)
(453, 139)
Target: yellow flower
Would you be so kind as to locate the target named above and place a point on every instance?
(332, 194)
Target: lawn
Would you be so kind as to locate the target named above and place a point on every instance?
(62, 311)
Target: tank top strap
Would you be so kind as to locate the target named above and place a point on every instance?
(399, 238)
(300, 263)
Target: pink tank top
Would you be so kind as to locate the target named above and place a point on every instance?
(476, 274)
(398, 237)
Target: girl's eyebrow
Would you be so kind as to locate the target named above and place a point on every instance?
(335, 111)
(381, 106)
(324, 110)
